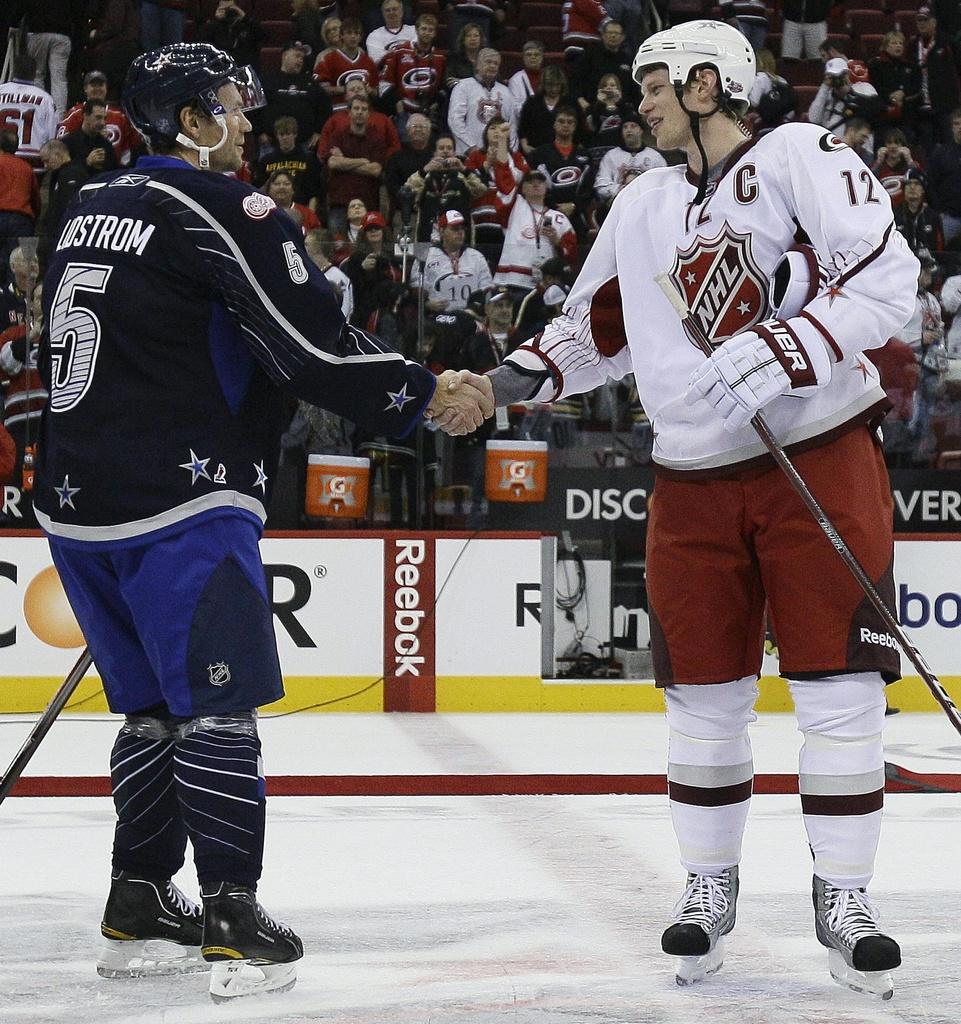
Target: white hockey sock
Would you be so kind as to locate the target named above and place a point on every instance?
(710, 770)
(841, 773)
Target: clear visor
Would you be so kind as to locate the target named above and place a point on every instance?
(250, 88)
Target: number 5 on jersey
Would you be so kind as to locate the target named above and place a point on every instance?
(74, 334)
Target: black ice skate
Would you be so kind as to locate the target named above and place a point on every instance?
(702, 916)
(150, 929)
(859, 956)
(249, 952)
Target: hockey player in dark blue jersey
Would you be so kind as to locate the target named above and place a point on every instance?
(177, 304)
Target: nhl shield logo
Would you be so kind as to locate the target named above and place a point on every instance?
(218, 673)
(722, 284)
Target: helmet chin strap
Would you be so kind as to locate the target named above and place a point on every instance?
(205, 151)
(695, 118)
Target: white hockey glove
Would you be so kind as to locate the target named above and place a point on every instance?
(751, 369)
(798, 277)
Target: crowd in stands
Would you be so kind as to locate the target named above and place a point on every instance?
(450, 161)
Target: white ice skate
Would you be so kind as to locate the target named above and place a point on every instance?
(702, 916)
(148, 958)
(860, 957)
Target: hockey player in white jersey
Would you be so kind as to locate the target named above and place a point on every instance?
(728, 537)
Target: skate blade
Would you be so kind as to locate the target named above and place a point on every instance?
(691, 969)
(878, 984)
(148, 958)
(235, 979)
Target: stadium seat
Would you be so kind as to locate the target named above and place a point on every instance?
(511, 61)
(870, 46)
(805, 93)
(907, 22)
(272, 10)
(276, 33)
(801, 72)
(270, 58)
(866, 22)
(550, 37)
(541, 14)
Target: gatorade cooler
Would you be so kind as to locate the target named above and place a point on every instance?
(337, 486)
(516, 471)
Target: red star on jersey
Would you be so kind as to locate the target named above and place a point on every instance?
(859, 365)
(834, 292)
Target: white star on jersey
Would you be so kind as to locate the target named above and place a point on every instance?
(262, 478)
(65, 492)
(398, 399)
(197, 467)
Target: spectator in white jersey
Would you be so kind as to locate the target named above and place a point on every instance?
(476, 101)
(452, 269)
(392, 34)
(28, 110)
(620, 166)
(526, 82)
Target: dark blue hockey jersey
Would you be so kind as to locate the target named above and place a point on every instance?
(176, 301)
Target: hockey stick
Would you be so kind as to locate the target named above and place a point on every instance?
(932, 682)
(9, 778)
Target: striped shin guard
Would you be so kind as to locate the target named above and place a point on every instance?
(150, 839)
(710, 770)
(841, 776)
(220, 786)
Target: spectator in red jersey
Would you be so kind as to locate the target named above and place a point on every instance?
(355, 159)
(8, 456)
(892, 163)
(24, 395)
(499, 170)
(581, 24)
(122, 135)
(280, 188)
(412, 77)
(19, 196)
(339, 65)
(379, 125)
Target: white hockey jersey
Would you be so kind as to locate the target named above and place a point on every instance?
(452, 278)
(619, 166)
(472, 106)
(381, 41)
(526, 246)
(30, 112)
(793, 181)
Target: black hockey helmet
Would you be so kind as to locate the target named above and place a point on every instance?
(162, 82)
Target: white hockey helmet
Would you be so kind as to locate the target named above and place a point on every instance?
(696, 44)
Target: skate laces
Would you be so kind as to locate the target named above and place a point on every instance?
(181, 902)
(705, 900)
(274, 923)
(851, 916)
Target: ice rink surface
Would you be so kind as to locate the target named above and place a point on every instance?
(487, 910)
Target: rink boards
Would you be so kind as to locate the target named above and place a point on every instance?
(429, 622)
